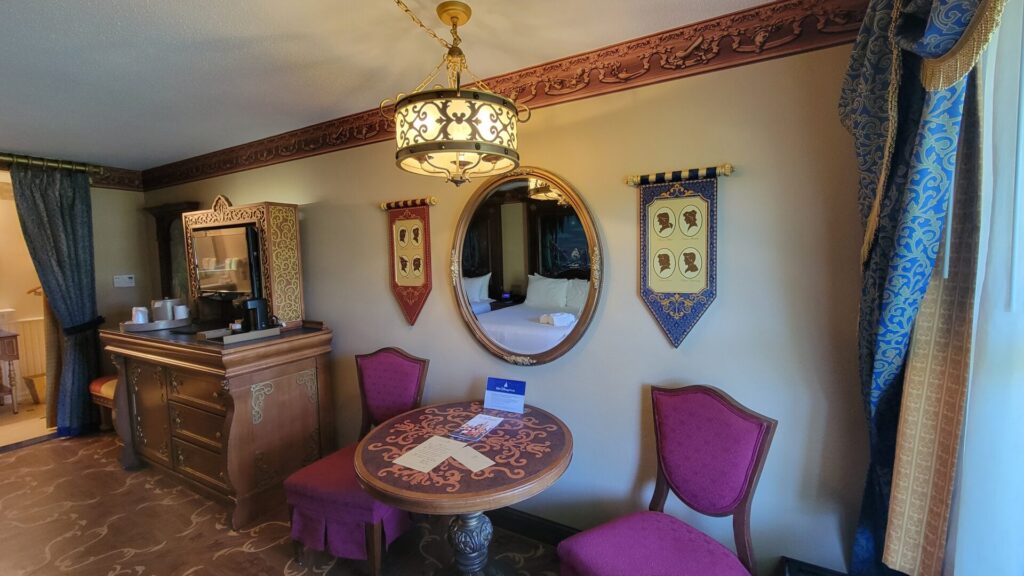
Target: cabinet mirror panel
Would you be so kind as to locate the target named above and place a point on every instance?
(526, 266)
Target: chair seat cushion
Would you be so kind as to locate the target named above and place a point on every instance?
(103, 386)
(330, 485)
(647, 544)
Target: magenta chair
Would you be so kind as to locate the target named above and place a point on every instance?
(710, 453)
(329, 510)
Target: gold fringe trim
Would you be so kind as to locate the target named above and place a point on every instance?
(895, 75)
(946, 70)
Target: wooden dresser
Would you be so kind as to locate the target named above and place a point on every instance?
(231, 421)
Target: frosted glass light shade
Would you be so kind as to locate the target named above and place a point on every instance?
(456, 134)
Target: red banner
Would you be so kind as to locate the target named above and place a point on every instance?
(409, 240)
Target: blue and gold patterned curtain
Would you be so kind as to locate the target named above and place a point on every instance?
(903, 100)
(55, 210)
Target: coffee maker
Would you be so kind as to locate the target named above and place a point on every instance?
(255, 315)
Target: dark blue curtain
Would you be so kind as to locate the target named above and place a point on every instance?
(55, 210)
(903, 100)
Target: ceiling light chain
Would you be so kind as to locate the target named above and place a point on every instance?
(431, 76)
(420, 23)
(455, 133)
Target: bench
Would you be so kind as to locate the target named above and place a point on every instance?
(102, 390)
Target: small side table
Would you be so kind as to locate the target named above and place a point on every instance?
(530, 451)
(9, 353)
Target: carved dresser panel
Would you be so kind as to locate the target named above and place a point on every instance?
(232, 422)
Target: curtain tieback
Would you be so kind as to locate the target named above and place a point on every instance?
(84, 326)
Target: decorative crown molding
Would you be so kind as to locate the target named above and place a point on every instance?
(118, 178)
(770, 31)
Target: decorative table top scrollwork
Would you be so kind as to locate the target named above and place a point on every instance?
(530, 451)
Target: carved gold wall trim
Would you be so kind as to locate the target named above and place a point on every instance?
(770, 31)
(518, 360)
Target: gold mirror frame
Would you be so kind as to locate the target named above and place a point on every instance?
(593, 243)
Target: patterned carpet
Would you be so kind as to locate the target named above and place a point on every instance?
(67, 507)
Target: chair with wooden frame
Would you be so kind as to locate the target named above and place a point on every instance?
(711, 450)
(329, 509)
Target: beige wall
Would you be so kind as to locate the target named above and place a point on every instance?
(780, 337)
(17, 273)
(122, 234)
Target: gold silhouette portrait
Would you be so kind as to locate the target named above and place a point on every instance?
(417, 263)
(690, 218)
(415, 235)
(403, 236)
(403, 265)
(692, 221)
(690, 263)
(664, 263)
(664, 222)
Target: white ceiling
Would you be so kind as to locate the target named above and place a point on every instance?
(140, 83)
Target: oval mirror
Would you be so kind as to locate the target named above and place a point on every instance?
(526, 266)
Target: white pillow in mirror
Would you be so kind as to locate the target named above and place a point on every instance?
(485, 285)
(544, 292)
(476, 288)
(576, 294)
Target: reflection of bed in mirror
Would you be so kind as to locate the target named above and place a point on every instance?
(529, 263)
(480, 307)
(548, 315)
(519, 329)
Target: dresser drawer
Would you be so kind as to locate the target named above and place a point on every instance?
(197, 426)
(203, 392)
(199, 464)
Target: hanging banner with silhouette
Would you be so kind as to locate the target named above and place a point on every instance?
(409, 242)
(678, 262)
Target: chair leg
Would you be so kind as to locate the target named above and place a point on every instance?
(106, 421)
(374, 545)
(297, 549)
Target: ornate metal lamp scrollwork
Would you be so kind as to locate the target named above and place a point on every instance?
(454, 132)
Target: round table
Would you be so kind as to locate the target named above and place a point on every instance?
(530, 451)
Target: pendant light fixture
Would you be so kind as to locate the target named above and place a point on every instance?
(454, 132)
(541, 190)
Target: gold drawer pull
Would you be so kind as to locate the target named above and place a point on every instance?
(217, 435)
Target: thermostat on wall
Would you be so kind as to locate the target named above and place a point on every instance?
(124, 281)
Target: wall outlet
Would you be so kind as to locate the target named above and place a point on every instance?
(124, 281)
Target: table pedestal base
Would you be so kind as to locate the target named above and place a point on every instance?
(470, 537)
